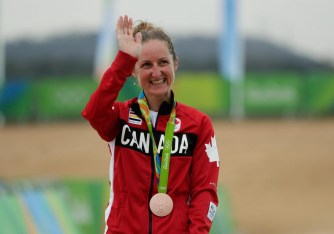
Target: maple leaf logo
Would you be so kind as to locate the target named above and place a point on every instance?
(211, 151)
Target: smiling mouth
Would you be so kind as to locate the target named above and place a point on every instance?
(157, 82)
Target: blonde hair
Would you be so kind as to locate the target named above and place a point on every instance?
(150, 32)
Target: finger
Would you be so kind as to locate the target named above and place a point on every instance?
(125, 24)
(130, 26)
(119, 25)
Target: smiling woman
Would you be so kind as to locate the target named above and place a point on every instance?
(164, 159)
(157, 64)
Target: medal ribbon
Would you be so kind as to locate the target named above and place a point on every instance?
(161, 168)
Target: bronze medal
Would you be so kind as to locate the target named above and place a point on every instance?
(161, 204)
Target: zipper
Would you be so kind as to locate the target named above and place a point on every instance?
(150, 195)
(150, 228)
(153, 182)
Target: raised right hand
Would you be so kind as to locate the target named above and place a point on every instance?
(126, 42)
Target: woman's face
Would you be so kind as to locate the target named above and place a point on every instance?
(155, 69)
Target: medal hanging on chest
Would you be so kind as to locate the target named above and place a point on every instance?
(161, 203)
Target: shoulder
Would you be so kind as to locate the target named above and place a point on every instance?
(131, 101)
(193, 114)
(126, 104)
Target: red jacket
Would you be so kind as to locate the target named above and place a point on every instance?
(194, 163)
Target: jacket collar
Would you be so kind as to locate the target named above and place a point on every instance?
(164, 109)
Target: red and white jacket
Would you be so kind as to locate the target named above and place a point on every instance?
(194, 163)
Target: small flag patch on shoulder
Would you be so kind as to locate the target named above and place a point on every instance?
(133, 118)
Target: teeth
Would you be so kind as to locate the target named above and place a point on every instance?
(155, 82)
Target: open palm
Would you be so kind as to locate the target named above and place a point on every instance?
(126, 42)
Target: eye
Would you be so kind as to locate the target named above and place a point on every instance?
(145, 65)
(164, 62)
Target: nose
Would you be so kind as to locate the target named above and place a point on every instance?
(156, 71)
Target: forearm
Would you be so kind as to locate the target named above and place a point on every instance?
(202, 208)
(205, 171)
(101, 110)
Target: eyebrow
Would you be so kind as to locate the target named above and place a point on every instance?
(150, 60)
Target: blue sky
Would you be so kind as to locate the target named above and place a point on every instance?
(306, 26)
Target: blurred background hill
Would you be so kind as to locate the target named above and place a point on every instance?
(73, 54)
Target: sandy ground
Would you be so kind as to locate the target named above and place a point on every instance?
(279, 174)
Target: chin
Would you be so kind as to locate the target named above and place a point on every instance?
(160, 92)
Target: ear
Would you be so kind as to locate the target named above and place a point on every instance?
(134, 71)
(176, 64)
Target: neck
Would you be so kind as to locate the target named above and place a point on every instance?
(155, 102)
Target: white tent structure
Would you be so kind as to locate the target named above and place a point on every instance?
(2, 62)
(2, 51)
(106, 42)
(231, 56)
